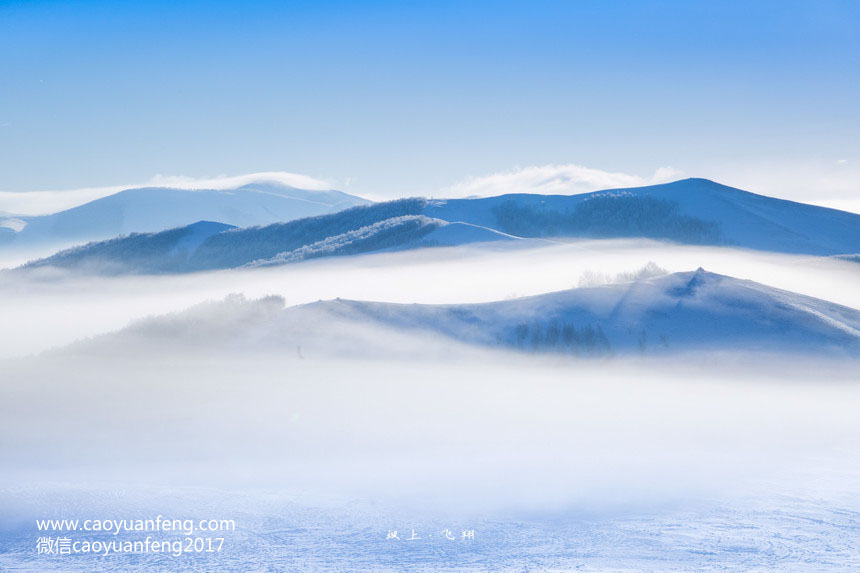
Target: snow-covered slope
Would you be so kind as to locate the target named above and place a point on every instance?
(208, 246)
(457, 233)
(696, 211)
(162, 252)
(682, 311)
(155, 209)
(693, 211)
(693, 311)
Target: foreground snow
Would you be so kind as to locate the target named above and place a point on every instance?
(555, 466)
(277, 532)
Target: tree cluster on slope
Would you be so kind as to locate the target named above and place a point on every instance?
(158, 252)
(607, 216)
(143, 252)
(387, 234)
(237, 247)
(586, 340)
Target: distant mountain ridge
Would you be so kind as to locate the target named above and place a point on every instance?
(692, 211)
(153, 209)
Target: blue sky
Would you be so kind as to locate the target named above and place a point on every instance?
(401, 98)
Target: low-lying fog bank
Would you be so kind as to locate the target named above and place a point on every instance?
(720, 459)
(509, 431)
(723, 461)
(58, 309)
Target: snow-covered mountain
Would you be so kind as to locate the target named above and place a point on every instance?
(153, 209)
(208, 245)
(687, 311)
(693, 311)
(692, 211)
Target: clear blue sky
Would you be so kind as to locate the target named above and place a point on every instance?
(395, 98)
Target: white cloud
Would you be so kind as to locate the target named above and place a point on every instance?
(565, 179)
(831, 182)
(229, 182)
(44, 202)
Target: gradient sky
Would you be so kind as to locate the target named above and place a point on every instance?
(402, 98)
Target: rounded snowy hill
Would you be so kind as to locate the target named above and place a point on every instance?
(691, 211)
(689, 312)
(152, 209)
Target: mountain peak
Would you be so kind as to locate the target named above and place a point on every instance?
(209, 225)
(694, 184)
(700, 276)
